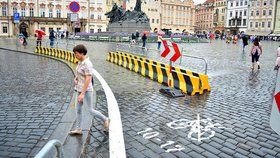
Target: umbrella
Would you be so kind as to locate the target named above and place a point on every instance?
(160, 32)
(146, 32)
(40, 32)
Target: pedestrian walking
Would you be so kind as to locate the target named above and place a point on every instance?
(133, 39)
(144, 39)
(277, 63)
(52, 37)
(159, 40)
(25, 36)
(84, 87)
(256, 51)
(39, 40)
(244, 41)
(137, 35)
(67, 34)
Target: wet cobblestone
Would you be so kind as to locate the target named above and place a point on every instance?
(236, 102)
(33, 93)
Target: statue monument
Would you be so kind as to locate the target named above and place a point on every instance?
(128, 21)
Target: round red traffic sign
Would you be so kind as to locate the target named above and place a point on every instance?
(74, 7)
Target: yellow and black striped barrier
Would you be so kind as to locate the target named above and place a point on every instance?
(203, 79)
(157, 71)
(57, 53)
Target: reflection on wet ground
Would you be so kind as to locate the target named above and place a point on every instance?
(239, 100)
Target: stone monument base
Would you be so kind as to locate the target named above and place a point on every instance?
(129, 26)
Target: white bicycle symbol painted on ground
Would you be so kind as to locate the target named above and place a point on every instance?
(202, 128)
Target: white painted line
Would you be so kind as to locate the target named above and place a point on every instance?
(116, 141)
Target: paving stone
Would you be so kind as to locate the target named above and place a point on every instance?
(210, 148)
(223, 155)
(253, 145)
(242, 151)
(227, 150)
(266, 145)
(229, 145)
(268, 151)
(196, 148)
(149, 153)
(195, 155)
(209, 154)
(257, 152)
(137, 146)
(238, 155)
(135, 153)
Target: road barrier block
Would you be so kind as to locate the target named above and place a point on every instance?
(157, 71)
(57, 53)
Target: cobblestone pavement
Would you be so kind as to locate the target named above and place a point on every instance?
(32, 96)
(234, 116)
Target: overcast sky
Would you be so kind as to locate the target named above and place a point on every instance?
(198, 1)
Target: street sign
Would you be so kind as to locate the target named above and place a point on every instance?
(73, 17)
(74, 7)
(277, 99)
(16, 17)
(170, 56)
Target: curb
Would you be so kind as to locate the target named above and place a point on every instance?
(74, 145)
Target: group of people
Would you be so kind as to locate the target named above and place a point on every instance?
(135, 38)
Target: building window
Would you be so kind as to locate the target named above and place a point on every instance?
(91, 30)
(99, 30)
(42, 12)
(5, 29)
(230, 14)
(22, 11)
(50, 13)
(245, 3)
(237, 4)
(256, 25)
(231, 4)
(92, 16)
(257, 13)
(270, 2)
(238, 22)
(263, 24)
(157, 20)
(245, 12)
(58, 13)
(244, 22)
(258, 3)
(240, 14)
(4, 11)
(99, 17)
(14, 10)
(31, 12)
(264, 12)
(223, 18)
(270, 12)
(268, 24)
(241, 3)
(253, 3)
(153, 20)
(251, 24)
(252, 13)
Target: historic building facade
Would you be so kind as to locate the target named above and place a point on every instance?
(261, 17)
(204, 14)
(219, 17)
(178, 15)
(276, 17)
(237, 16)
(50, 14)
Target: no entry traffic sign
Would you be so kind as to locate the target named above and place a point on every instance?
(74, 7)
